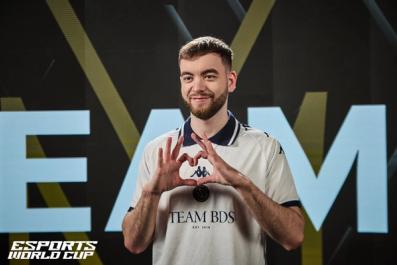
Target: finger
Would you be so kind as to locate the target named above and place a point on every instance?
(185, 157)
(208, 144)
(160, 157)
(206, 180)
(198, 141)
(201, 154)
(205, 137)
(167, 154)
(189, 182)
(191, 161)
(177, 148)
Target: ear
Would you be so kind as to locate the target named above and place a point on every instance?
(231, 81)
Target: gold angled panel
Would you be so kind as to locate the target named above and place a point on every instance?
(96, 74)
(249, 30)
(18, 237)
(309, 128)
(52, 193)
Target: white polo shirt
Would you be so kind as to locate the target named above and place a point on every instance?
(212, 225)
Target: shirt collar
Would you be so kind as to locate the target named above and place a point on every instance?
(226, 136)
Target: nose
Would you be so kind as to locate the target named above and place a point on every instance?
(198, 85)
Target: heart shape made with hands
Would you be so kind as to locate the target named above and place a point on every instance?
(167, 175)
(193, 161)
(201, 192)
(169, 162)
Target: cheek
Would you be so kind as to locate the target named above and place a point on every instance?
(184, 92)
(219, 87)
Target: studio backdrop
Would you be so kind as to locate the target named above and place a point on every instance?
(85, 85)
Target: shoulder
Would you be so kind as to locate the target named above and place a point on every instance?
(268, 144)
(261, 137)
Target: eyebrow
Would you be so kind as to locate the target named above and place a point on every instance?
(185, 73)
(207, 71)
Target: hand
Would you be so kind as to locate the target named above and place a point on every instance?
(222, 172)
(167, 175)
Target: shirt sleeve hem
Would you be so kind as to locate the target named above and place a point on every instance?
(292, 203)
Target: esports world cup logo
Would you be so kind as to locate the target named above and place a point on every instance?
(52, 249)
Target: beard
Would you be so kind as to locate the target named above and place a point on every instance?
(205, 113)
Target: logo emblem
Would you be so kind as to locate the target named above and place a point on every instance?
(200, 172)
(201, 193)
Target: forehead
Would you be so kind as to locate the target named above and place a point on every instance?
(201, 63)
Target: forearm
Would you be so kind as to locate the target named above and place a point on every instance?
(139, 224)
(285, 225)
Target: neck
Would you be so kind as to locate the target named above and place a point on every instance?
(211, 126)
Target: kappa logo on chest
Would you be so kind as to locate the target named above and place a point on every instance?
(200, 172)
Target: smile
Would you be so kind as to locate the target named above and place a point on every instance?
(200, 99)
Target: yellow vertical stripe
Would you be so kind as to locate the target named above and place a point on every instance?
(310, 130)
(249, 30)
(96, 74)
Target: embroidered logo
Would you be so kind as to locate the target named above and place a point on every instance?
(200, 172)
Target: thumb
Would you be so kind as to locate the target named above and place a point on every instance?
(209, 179)
(189, 182)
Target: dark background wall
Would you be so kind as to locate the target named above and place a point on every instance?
(304, 46)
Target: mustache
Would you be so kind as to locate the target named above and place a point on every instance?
(211, 95)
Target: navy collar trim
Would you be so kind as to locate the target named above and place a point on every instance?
(226, 136)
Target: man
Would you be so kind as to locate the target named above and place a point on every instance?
(211, 191)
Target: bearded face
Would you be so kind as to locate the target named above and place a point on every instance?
(205, 84)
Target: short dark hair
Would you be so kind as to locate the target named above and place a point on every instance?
(204, 45)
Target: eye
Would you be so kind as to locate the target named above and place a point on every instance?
(187, 78)
(210, 77)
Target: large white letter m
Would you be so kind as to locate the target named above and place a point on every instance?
(362, 135)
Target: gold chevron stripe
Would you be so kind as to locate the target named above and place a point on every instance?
(249, 30)
(96, 74)
(18, 237)
(52, 193)
(309, 128)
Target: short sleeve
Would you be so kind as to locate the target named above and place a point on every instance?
(280, 186)
(143, 176)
